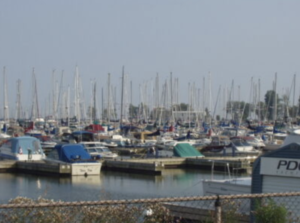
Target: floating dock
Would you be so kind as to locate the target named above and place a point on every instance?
(147, 166)
(34, 167)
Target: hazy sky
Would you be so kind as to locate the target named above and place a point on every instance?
(233, 40)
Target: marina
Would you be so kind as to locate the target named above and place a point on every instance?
(122, 100)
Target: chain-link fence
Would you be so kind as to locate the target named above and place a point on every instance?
(273, 208)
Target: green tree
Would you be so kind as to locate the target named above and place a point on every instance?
(133, 111)
(183, 107)
(272, 99)
(91, 113)
(260, 110)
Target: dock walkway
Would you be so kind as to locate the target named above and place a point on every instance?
(148, 166)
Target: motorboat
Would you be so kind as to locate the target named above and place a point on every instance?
(243, 184)
(217, 145)
(81, 162)
(239, 145)
(227, 186)
(97, 150)
(181, 149)
(4, 136)
(256, 142)
(22, 148)
(223, 146)
(230, 185)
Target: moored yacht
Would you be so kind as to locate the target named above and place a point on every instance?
(75, 155)
(96, 149)
(22, 148)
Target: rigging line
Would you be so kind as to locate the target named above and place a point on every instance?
(190, 187)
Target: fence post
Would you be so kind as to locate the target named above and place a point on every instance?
(218, 211)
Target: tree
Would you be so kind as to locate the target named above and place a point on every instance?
(91, 112)
(270, 97)
(260, 110)
(133, 111)
(183, 107)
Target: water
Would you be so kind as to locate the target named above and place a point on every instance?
(109, 185)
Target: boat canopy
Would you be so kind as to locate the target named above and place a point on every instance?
(186, 150)
(94, 128)
(78, 136)
(25, 145)
(72, 153)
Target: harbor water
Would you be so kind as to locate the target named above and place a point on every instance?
(110, 185)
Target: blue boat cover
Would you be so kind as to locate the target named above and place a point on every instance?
(72, 153)
(26, 143)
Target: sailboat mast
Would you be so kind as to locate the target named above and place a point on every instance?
(19, 106)
(6, 113)
(35, 113)
(94, 100)
(108, 98)
(259, 108)
(294, 89)
(171, 97)
(275, 99)
(210, 97)
(102, 106)
(36, 93)
(122, 97)
(53, 94)
(131, 110)
(77, 96)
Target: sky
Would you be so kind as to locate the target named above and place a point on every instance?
(226, 42)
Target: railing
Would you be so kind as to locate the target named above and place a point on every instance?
(283, 207)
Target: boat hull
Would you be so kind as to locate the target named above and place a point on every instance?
(79, 169)
(21, 149)
(21, 157)
(226, 187)
(85, 169)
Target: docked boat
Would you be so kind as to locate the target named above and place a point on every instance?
(227, 186)
(241, 146)
(4, 136)
(243, 185)
(223, 146)
(22, 148)
(96, 149)
(80, 160)
(185, 150)
(217, 145)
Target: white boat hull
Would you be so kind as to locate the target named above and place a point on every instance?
(20, 157)
(86, 169)
(79, 169)
(226, 187)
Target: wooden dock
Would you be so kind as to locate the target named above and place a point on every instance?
(45, 168)
(139, 166)
(34, 167)
(148, 166)
(234, 164)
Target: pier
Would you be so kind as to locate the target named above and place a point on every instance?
(35, 167)
(147, 166)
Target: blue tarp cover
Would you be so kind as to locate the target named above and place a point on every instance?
(72, 153)
(25, 143)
